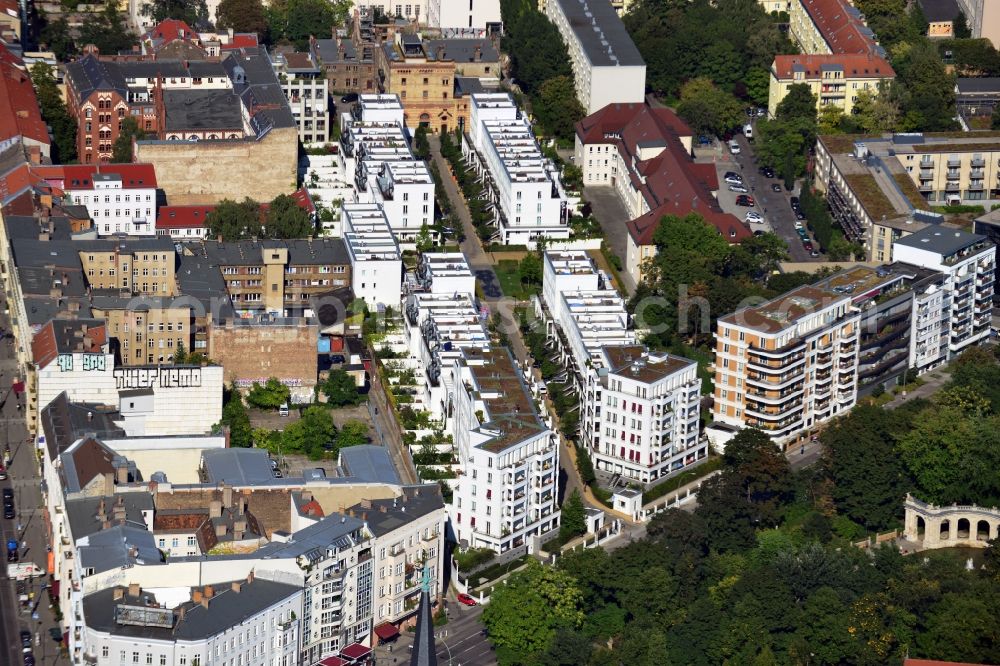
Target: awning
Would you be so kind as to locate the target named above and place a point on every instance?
(386, 631)
(355, 652)
(333, 661)
(54, 588)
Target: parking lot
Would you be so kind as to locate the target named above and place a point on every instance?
(773, 206)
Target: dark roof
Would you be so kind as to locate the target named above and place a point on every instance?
(462, 50)
(329, 52)
(65, 336)
(468, 85)
(200, 278)
(257, 85)
(945, 242)
(150, 69)
(939, 11)
(368, 462)
(83, 513)
(982, 85)
(237, 466)
(226, 608)
(206, 68)
(64, 422)
(601, 32)
(89, 74)
(386, 515)
(301, 252)
(201, 110)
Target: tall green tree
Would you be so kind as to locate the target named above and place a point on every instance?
(50, 103)
(191, 12)
(235, 417)
(961, 26)
(557, 108)
(340, 389)
(574, 517)
(297, 20)
(707, 108)
(234, 221)
(286, 219)
(55, 35)
(313, 434)
(269, 395)
(243, 16)
(122, 148)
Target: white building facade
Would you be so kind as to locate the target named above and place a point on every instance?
(117, 206)
(307, 89)
(376, 263)
(475, 17)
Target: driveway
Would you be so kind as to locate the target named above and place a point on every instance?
(608, 209)
(774, 206)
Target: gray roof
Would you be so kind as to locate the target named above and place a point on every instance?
(601, 33)
(329, 53)
(940, 240)
(65, 332)
(468, 85)
(979, 85)
(63, 422)
(936, 11)
(200, 278)
(312, 542)
(368, 462)
(82, 513)
(201, 110)
(241, 467)
(28, 226)
(149, 69)
(256, 84)
(206, 68)
(387, 515)
(119, 546)
(462, 50)
(226, 608)
(88, 75)
(301, 252)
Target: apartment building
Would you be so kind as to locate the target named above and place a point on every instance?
(145, 330)
(424, 82)
(788, 364)
(376, 262)
(120, 198)
(528, 198)
(644, 153)
(835, 79)
(443, 273)
(254, 621)
(307, 88)
(830, 26)
(968, 262)
(480, 17)
(983, 18)
(881, 188)
(509, 455)
(20, 117)
(607, 67)
(349, 61)
(144, 266)
(279, 277)
(183, 223)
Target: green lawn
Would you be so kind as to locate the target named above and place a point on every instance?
(509, 276)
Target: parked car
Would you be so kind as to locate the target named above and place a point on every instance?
(338, 358)
(814, 254)
(734, 179)
(798, 225)
(808, 246)
(349, 97)
(767, 172)
(466, 600)
(739, 188)
(754, 217)
(748, 131)
(12, 550)
(25, 638)
(775, 187)
(794, 201)
(8, 510)
(734, 148)
(705, 140)
(799, 215)
(761, 112)
(744, 203)
(3, 473)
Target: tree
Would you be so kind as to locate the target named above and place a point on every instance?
(313, 434)
(798, 103)
(424, 240)
(995, 120)
(524, 615)
(708, 109)
(180, 353)
(286, 219)
(829, 120)
(537, 52)
(130, 131)
(243, 16)
(235, 417)
(234, 221)
(56, 36)
(962, 626)
(557, 107)
(352, 433)
(421, 146)
(530, 269)
(297, 20)
(106, 30)
(927, 89)
(961, 26)
(191, 12)
(270, 395)
(340, 389)
(50, 103)
(758, 81)
(574, 518)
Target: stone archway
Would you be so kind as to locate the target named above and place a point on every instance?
(921, 528)
(944, 533)
(962, 528)
(983, 530)
(929, 526)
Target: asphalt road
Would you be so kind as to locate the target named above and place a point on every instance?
(459, 643)
(774, 206)
(610, 212)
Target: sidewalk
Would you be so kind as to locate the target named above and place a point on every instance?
(933, 381)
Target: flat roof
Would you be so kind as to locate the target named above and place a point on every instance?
(786, 310)
(601, 33)
(942, 241)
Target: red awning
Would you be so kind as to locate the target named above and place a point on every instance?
(386, 631)
(18, 387)
(333, 661)
(54, 587)
(355, 652)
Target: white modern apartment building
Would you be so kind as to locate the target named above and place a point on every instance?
(439, 326)
(478, 17)
(607, 67)
(969, 262)
(307, 89)
(376, 263)
(252, 622)
(788, 364)
(120, 198)
(444, 273)
(375, 153)
(528, 199)
(641, 413)
(509, 455)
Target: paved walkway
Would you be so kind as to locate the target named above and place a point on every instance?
(933, 382)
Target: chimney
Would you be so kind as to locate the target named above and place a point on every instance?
(204, 602)
(209, 592)
(101, 509)
(181, 612)
(134, 589)
(478, 54)
(227, 496)
(250, 576)
(382, 508)
(196, 596)
(119, 593)
(122, 474)
(220, 530)
(440, 53)
(214, 509)
(307, 495)
(366, 504)
(237, 586)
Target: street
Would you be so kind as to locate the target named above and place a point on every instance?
(23, 478)
(460, 642)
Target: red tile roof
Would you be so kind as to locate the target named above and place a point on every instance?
(671, 182)
(19, 113)
(171, 29)
(182, 217)
(241, 40)
(46, 345)
(81, 177)
(15, 180)
(854, 64)
(841, 26)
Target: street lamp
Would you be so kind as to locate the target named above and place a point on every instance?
(448, 649)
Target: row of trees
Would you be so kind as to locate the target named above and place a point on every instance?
(54, 113)
(472, 189)
(284, 218)
(540, 64)
(755, 575)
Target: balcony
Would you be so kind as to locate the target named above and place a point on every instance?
(954, 162)
(977, 162)
(976, 185)
(952, 186)
(773, 397)
(926, 174)
(774, 414)
(953, 174)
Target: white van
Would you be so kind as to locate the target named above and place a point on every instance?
(734, 148)
(283, 410)
(748, 131)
